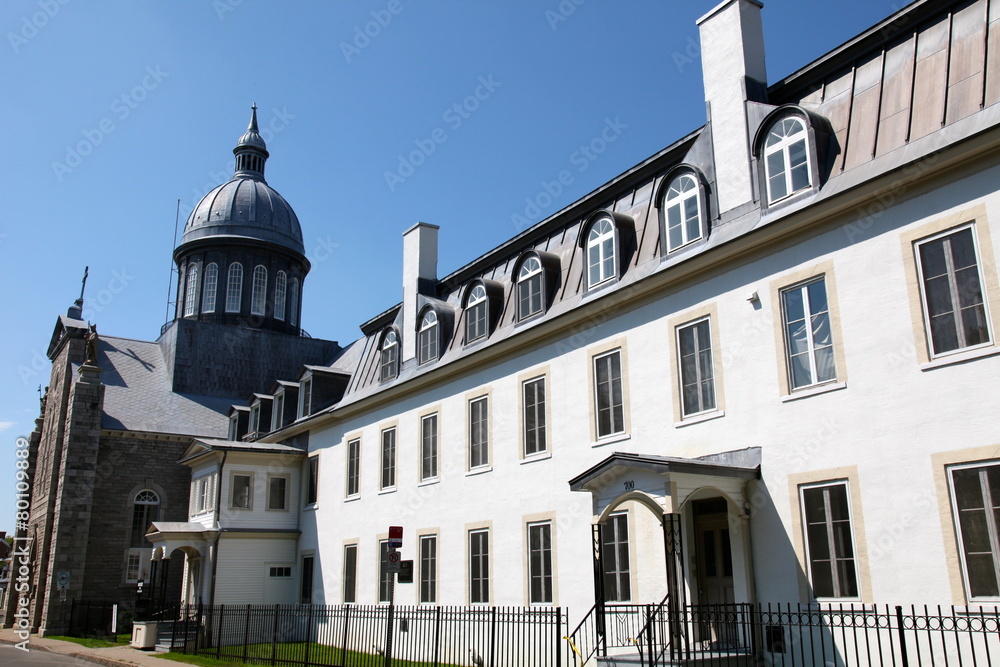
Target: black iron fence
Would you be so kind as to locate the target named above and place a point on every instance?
(93, 618)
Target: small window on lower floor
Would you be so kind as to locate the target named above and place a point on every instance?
(976, 504)
(826, 511)
(306, 585)
(350, 573)
(280, 572)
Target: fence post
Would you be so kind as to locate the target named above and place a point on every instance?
(558, 626)
(902, 636)
(246, 635)
(493, 636)
(649, 633)
(274, 636)
(218, 636)
(309, 622)
(343, 643)
(437, 637)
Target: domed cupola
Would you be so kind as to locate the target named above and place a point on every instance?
(241, 259)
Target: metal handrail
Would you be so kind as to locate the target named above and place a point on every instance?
(647, 632)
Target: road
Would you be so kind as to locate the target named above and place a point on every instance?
(13, 657)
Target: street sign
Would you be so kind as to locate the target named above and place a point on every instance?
(406, 571)
(392, 564)
(62, 580)
(395, 537)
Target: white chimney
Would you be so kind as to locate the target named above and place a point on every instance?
(420, 256)
(732, 50)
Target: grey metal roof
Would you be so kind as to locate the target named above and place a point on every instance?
(666, 464)
(137, 394)
(202, 446)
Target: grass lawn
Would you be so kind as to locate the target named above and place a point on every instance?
(261, 654)
(90, 642)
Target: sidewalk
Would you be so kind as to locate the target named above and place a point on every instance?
(115, 656)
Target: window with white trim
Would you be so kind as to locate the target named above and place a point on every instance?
(540, 562)
(277, 492)
(428, 337)
(601, 253)
(353, 467)
(476, 323)
(305, 397)
(615, 558)
(387, 480)
(826, 512)
(951, 288)
(428, 568)
(428, 447)
(809, 348)
(786, 159)
(609, 394)
(278, 411)
(975, 491)
(242, 491)
(312, 481)
(529, 288)
(533, 392)
(479, 432)
(389, 357)
(697, 367)
(191, 298)
(258, 295)
(234, 288)
(280, 572)
(280, 294)
(255, 418)
(479, 566)
(683, 211)
(211, 284)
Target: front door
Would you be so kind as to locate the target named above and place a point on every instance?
(714, 575)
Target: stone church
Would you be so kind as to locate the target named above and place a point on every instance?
(119, 413)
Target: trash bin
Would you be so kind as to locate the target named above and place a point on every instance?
(144, 635)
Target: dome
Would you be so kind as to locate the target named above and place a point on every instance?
(245, 207)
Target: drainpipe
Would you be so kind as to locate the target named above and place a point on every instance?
(218, 534)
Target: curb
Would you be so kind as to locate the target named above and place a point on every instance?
(98, 659)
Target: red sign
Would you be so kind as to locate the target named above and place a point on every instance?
(395, 532)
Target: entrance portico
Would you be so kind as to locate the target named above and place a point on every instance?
(693, 511)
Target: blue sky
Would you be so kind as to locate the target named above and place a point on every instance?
(377, 114)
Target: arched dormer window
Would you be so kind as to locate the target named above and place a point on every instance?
(191, 297)
(293, 303)
(257, 296)
(280, 289)
(428, 337)
(211, 284)
(234, 288)
(476, 324)
(684, 211)
(529, 288)
(603, 244)
(388, 365)
(787, 146)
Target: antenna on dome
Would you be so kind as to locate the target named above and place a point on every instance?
(173, 269)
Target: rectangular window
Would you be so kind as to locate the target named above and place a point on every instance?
(540, 562)
(479, 566)
(353, 467)
(388, 479)
(429, 447)
(278, 411)
(615, 555)
(203, 494)
(234, 426)
(829, 540)
(312, 488)
(255, 418)
(952, 291)
(277, 492)
(242, 485)
(280, 572)
(305, 398)
(697, 367)
(138, 566)
(350, 573)
(479, 428)
(306, 585)
(428, 568)
(534, 416)
(608, 394)
(384, 576)
(976, 503)
(808, 337)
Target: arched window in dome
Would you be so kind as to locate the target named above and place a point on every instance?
(280, 288)
(388, 357)
(293, 303)
(428, 338)
(191, 294)
(234, 289)
(259, 290)
(208, 290)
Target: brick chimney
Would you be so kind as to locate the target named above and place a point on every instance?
(732, 56)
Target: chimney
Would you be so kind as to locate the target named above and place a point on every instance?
(419, 277)
(732, 57)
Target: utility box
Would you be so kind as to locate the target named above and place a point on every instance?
(144, 635)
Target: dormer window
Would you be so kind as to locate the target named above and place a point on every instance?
(278, 410)
(255, 418)
(428, 337)
(683, 207)
(787, 165)
(475, 314)
(389, 357)
(305, 397)
(529, 288)
(601, 253)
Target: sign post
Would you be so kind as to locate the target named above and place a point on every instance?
(394, 542)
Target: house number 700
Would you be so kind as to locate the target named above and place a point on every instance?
(629, 485)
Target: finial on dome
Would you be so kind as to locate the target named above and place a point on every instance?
(251, 151)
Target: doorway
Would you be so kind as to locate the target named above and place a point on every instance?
(713, 573)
